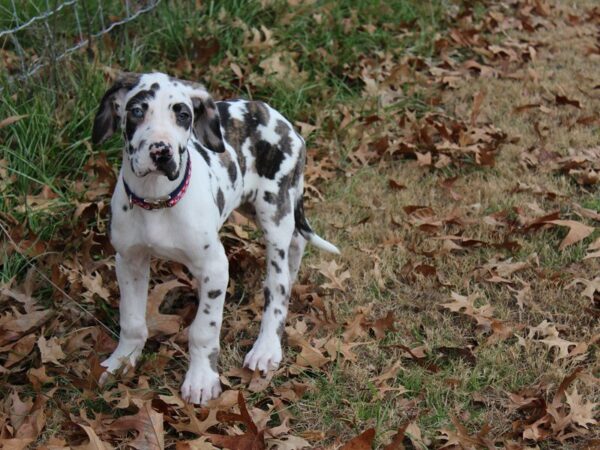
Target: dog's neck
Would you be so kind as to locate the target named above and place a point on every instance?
(155, 185)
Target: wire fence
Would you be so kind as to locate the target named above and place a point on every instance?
(39, 33)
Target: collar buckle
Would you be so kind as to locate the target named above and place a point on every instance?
(157, 203)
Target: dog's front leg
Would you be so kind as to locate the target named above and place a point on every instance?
(202, 379)
(132, 275)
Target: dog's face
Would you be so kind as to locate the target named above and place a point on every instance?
(158, 115)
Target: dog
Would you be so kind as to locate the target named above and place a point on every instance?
(188, 162)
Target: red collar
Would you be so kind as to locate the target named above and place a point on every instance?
(168, 201)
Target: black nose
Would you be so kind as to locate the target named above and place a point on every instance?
(160, 152)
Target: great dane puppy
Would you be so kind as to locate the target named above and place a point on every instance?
(188, 162)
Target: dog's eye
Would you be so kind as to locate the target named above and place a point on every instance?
(181, 112)
(137, 112)
(183, 116)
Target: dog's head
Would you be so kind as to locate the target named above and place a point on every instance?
(158, 115)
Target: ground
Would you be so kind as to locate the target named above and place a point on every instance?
(453, 158)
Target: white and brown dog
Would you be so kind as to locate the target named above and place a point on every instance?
(188, 162)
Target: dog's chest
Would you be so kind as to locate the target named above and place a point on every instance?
(161, 233)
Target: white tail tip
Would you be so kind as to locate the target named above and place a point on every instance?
(323, 244)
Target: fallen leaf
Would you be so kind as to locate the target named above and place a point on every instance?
(12, 119)
(159, 323)
(51, 350)
(582, 412)
(577, 231)
(252, 439)
(333, 272)
(148, 426)
(362, 442)
(95, 443)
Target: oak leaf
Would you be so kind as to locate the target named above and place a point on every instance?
(582, 412)
(95, 443)
(334, 273)
(252, 439)
(159, 323)
(147, 423)
(577, 231)
(50, 350)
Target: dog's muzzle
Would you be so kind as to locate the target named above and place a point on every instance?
(163, 158)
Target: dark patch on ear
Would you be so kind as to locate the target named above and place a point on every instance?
(224, 114)
(220, 201)
(202, 153)
(268, 159)
(207, 124)
(267, 292)
(106, 121)
(235, 133)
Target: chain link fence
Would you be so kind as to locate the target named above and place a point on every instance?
(40, 33)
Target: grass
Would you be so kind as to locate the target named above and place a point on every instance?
(327, 44)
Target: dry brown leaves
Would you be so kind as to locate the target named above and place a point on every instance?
(50, 349)
(565, 416)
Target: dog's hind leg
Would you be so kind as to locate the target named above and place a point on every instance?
(266, 353)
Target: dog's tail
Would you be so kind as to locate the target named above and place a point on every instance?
(307, 232)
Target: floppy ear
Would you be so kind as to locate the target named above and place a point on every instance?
(207, 122)
(107, 119)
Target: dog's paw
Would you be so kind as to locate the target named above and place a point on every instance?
(124, 357)
(265, 355)
(201, 385)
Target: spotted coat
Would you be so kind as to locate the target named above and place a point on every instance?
(243, 154)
